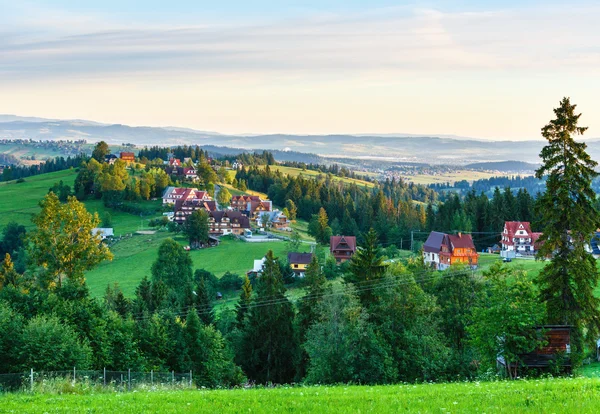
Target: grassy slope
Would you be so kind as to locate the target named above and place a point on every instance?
(294, 172)
(459, 175)
(579, 395)
(134, 257)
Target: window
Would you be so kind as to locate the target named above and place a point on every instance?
(295, 266)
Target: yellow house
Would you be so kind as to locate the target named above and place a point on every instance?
(299, 262)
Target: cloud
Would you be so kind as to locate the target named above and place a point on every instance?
(387, 40)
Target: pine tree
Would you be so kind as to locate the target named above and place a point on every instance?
(366, 267)
(308, 310)
(204, 303)
(568, 213)
(269, 342)
(241, 308)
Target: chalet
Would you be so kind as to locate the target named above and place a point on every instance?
(299, 262)
(173, 194)
(127, 156)
(342, 247)
(517, 238)
(182, 209)
(276, 220)
(457, 249)
(237, 165)
(174, 162)
(432, 248)
(251, 206)
(183, 173)
(110, 159)
(221, 223)
(556, 349)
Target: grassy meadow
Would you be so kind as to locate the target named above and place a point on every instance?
(294, 172)
(565, 395)
(451, 177)
(133, 258)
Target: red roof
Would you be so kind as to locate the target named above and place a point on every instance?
(461, 241)
(128, 155)
(344, 243)
(514, 226)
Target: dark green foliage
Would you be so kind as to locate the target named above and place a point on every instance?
(173, 265)
(203, 303)
(100, 151)
(62, 190)
(504, 322)
(196, 228)
(241, 308)
(366, 268)
(230, 281)
(13, 238)
(11, 328)
(569, 216)
(269, 343)
(343, 346)
(48, 345)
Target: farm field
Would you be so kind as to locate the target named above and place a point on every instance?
(452, 177)
(133, 258)
(567, 395)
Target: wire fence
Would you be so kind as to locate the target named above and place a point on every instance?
(116, 380)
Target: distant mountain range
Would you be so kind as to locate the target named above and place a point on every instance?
(389, 147)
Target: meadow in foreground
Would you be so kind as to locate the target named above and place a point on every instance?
(568, 395)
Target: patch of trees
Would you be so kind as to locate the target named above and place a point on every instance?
(115, 186)
(334, 169)
(351, 209)
(15, 172)
(182, 151)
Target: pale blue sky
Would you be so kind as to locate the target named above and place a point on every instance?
(489, 69)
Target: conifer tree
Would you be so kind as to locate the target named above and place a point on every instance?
(204, 303)
(308, 310)
(568, 213)
(241, 308)
(366, 267)
(269, 342)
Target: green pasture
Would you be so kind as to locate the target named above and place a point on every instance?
(565, 395)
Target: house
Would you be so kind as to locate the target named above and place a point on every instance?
(257, 268)
(184, 208)
(127, 156)
(183, 173)
(432, 248)
(251, 206)
(495, 249)
(342, 247)
(221, 223)
(237, 165)
(275, 219)
(556, 349)
(174, 162)
(518, 239)
(103, 232)
(173, 194)
(457, 249)
(299, 262)
(110, 159)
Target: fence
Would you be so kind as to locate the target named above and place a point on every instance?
(119, 380)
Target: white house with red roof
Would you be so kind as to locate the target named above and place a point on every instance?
(517, 238)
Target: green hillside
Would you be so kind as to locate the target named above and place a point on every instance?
(568, 395)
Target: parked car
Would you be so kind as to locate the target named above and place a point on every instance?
(507, 260)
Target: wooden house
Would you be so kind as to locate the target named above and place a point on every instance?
(127, 156)
(342, 247)
(457, 249)
(299, 262)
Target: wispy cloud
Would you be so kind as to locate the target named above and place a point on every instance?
(388, 39)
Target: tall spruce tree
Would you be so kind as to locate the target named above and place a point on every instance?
(241, 309)
(204, 303)
(568, 214)
(269, 341)
(366, 268)
(308, 310)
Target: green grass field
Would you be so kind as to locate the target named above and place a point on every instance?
(133, 258)
(294, 172)
(568, 395)
(451, 177)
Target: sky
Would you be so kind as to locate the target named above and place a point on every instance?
(482, 69)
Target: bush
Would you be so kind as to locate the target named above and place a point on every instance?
(231, 281)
